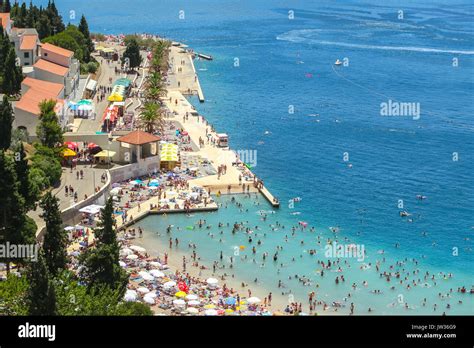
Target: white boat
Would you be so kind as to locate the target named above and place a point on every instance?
(338, 62)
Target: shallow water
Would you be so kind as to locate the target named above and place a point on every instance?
(186, 229)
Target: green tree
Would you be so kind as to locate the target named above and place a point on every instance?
(41, 296)
(132, 54)
(6, 7)
(84, 29)
(6, 121)
(15, 227)
(55, 238)
(151, 117)
(43, 26)
(12, 74)
(48, 130)
(101, 264)
(25, 188)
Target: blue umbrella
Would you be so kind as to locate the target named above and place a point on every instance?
(230, 301)
(154, 184)
(138, 181)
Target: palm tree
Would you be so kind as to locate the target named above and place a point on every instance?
(151, 117)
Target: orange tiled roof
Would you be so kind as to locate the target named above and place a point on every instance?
(43, 86)
(51, 67)
(28, 42)
(58, 50)
(32, 98)
(138, 137)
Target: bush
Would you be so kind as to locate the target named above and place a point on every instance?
(132, 309)
(92, 67)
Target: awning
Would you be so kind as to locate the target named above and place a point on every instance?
(92, 209)
(105, 153)
(91, 85)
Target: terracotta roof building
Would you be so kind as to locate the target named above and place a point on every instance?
(35, 91)
(138, 137)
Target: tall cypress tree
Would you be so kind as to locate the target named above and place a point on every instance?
(41, 296)
(101, 263)
(55, 239)
(13, 222)
(6, 121)
(6, 7)
(12, 75)
(84, 29)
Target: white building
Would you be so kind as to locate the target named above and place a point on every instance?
(33, 92)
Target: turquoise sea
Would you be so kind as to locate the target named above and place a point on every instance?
(351, 166)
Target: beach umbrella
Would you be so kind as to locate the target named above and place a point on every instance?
(169, 284)
(253, 300)
(183, 287)
(179, 303)
(146, 276)
(229, 311)
(212, 281)
(115, 191)
(68, 153)
(192, 310)
(152, 181)
(132, 257)
(210, 312)
(230, 301)
(154, 184)
(143, 290)
(194, 303)
(191, 297)
(210, 306)
(130, 296)
(180, 294)
(133, 182)
(92, 145)
(122, 264)
(71, 145)
(155, 264)
(157, 274)
(126, 251)
(149, 300)
(151, 294)
(138, 248)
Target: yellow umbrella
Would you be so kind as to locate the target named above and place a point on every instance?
(229, 311)
(180, 294)
(209, 306)
(69, 153)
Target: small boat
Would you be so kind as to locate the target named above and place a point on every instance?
(338, 62)
(420, 197)
(404, 213)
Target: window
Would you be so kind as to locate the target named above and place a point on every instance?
(27, 64)
(26, 54)
(45, 54)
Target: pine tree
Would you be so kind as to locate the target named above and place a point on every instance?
(12, 75)
(6, 121)
(55, 238)
(84, 29)
(102, 266)
(15, 228)
(6, 7)
(41, 296)
(48, 130)
(43, 26)
(132, 52)
(28, 191)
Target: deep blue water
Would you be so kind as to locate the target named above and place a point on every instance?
(287, 62)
